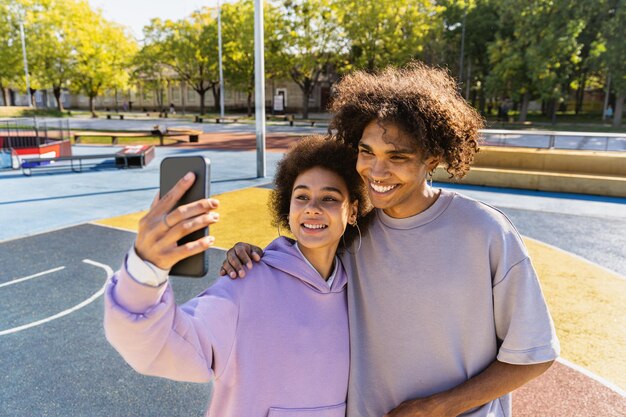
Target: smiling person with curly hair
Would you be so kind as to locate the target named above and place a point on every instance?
(276, 344)
(446, 313)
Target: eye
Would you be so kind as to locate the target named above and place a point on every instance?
(302, 197)
(398, 158)
(365, 151)
(329, 198)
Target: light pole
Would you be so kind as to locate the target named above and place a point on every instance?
(462, 49)
(30, 104)
(259, 88)
(219, 43)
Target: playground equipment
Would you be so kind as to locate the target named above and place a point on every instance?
(28, 138)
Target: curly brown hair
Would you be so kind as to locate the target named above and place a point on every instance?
(325, 152)
(422, 101)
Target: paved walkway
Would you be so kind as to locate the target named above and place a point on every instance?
(63, 366)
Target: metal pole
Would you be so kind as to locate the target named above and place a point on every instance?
(462, 49)
(259, 81)
(219, 42)
(30, 104)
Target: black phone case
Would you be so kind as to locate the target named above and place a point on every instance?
(172, 170)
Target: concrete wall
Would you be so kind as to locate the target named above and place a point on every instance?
(584, 172)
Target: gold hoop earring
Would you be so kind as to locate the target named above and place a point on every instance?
(355, 224)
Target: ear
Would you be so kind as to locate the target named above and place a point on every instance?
(353, 212)
(431, 162)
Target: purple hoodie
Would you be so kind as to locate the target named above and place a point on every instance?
(276, 343)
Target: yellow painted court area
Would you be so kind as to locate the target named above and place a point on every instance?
(586, 301)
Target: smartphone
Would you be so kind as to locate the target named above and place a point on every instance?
(172, 170)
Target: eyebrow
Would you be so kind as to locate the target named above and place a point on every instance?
(305, 187)
(390, 152)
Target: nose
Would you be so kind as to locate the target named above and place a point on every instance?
(313, 207)
(378, 169)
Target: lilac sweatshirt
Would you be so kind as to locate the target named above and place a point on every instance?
(276, 343)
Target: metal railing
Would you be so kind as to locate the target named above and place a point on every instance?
(555, 140)
(31, 132)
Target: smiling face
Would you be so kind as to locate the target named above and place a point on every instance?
(394, 170)
(319, 211)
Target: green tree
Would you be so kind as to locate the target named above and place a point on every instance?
(104, 51)
(535, 52)
(466, 26)
(385, 32)
(53, 27)
(10, 48)
(238, 47)
(311, 42)
(614, 56)
(150, 67)
(190, 48)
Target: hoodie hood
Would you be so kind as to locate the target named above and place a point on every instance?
(282, 254)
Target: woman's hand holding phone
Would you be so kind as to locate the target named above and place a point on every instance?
(163, 226)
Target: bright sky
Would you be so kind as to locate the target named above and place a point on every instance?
(137, 13)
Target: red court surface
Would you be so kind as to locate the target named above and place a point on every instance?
(275, 142)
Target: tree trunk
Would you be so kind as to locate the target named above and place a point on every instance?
(216, 98)
(619, 108)
(523, 113)
(57, 95)
(482, 101)
(5, 96)
(305, 104)
(580, 94)
(92, 106)
(249, 103)
(553, 107)
(202, 95)
(33, 102)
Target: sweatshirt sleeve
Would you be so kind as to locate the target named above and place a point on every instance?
(191, 342)
(523, 323)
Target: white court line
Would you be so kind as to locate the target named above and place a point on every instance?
(109, 273)
(15, 281)
(593, 376)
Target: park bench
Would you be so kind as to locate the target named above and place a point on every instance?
(226, 120)
(130, 156)
(192, 134)
(284, 117)
(113, 135)
(121, 116)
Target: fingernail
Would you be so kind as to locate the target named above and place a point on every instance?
(210, 240)
(188, 176)
(215, 216)
(249, 265)
(233, 275)
(241, 274)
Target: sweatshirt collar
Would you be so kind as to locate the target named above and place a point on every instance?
(283, 255)
(419, 219)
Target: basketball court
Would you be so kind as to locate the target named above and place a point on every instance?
(56, 361)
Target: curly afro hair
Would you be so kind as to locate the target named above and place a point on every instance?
(325, 152)
(422, 101)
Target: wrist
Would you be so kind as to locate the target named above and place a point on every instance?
(144, 271)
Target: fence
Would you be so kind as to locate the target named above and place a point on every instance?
(556, 140)
(30, 133)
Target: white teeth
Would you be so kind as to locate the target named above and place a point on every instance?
(314, 226)
(382, 188)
